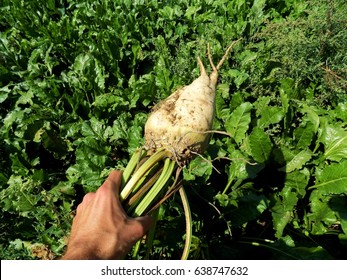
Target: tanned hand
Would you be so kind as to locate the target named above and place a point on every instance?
(101, 229)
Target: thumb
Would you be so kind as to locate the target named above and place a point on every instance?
(134, 230)
(139, 226)
(145, 222)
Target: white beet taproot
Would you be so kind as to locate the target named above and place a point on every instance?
(181, 123)
(177, 129)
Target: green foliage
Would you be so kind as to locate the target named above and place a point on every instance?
(78, 78)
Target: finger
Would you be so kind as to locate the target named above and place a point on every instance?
(108, 194)
(86, 200)
(88, 197)
(113, 182)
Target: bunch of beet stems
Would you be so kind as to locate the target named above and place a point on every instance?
(177, 130)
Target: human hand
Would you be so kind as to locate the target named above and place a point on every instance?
(101, 229)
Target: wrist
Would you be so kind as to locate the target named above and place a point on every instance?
(80, 251)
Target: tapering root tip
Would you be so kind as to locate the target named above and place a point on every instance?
(214, 68)
(225, 54)
(210, 58)
(202, 68)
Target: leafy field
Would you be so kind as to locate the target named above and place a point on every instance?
(78, 79)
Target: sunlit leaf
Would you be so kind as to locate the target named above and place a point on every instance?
(163, 80)
(335, 142)
(238, 122)
(260, 144)
(304, 135)
(270, 115)
(298, 161)
(332, 179)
